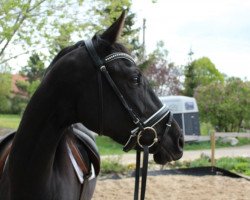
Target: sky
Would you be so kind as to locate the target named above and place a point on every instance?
(217, 29)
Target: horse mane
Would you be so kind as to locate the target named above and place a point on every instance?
(63, 52)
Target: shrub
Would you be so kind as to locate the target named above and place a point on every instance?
(238, 164)
(206, 128)
(18, 105)
(5, 105)
(113, 166)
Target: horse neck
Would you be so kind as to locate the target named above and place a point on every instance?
(39, 133)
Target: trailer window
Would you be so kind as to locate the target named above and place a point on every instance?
(189, 105)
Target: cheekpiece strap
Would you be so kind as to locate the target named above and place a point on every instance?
(93, 54)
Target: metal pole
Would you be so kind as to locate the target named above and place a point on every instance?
(143, 38)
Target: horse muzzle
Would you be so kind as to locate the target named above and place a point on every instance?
(171, 146)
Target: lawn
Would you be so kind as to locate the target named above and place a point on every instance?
(9, 121)
(107, 146)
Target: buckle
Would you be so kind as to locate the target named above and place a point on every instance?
(103, 68)
(149, 130)
(136, 121)
(169, 125)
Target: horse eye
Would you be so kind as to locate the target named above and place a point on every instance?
(136, 80)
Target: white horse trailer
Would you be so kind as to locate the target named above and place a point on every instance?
(185, 112)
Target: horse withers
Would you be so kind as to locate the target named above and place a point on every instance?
(97, 83)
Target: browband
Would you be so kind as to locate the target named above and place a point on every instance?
(119, 55)
(98, 62)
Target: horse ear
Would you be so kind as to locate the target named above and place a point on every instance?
(114, 31)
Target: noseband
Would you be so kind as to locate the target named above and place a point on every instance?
(141, 127)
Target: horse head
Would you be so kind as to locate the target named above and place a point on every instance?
(111, 96)
(129, 111)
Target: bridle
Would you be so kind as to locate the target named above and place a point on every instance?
(142, 127)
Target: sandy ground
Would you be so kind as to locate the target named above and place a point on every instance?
(180, 187)
(176, 187)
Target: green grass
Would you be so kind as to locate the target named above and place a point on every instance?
(239, 165)
(113, 166)
(9, 121)
(107, 146)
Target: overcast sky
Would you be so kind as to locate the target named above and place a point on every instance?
(218, 29)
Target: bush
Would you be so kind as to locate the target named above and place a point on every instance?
(18, 105)
(206, 128)
(243, 168)
(113, 166)
(5, 105)
(238, 164)
(201, 162)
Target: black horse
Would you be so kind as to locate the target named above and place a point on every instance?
(98, 84)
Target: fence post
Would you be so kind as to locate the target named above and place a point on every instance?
(212, 140)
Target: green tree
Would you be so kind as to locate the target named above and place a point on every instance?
(102, 14)
(35, 68)
(238, 92)
(200, 72)
(189, 83)
(107, 12)
(34, 24)
(33, 72)
(5, 89)
(40, 24)
(59, 42)
(225, 105)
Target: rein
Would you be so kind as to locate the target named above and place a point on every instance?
(146, 127)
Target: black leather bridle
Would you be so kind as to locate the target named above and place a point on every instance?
(141, 127)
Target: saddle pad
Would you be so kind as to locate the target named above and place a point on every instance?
(86, 137)
(77, 168)
(5, 146)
